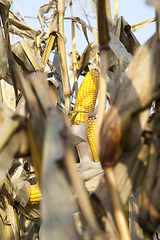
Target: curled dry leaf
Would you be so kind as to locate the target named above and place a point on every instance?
(84, 151)
(57, 218)
(126, 118)
(27, 55)
(3, 55)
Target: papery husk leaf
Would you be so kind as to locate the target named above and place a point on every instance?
(30, 211)
(35, 123)
(26, 52)
(136, 97)
(84, 151)
(116, 46)
(154, 3)
(135, 229)
(11, 227)
(10, 150)
(63, 66)
(3, 55)
(128, 38)
(8, 95)
(2, 232)
(47, 51)
(23, 27)
(137, 26)
(56, 225)
(129, 166)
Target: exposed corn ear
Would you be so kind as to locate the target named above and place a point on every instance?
(87, 95)
(35, 194)
(90, 128)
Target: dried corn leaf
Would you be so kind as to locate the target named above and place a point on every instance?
(31, 212)
(5, 3)
(15, 146)
(129, 166)
(57, 219)
(137, 26)
(154, 3)
(53, 23)
(11, 226)
(116, 46)
(46, 8)
(8, 95)
(84, 27)
(23, 27)
(127, 38)
(28, 55)
(48, 48)
(3, 55)
(84, 151)
(138, 90)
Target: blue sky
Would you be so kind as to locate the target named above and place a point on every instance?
(133, 11)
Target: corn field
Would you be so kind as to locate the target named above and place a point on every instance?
(79, 161)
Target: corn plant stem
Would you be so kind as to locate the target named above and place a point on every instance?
(82, 195)
(117, 205)
(67, 104)
(65, 78)
(116, 9)
(103, 35)
(38, 43)
(108, 9)
(19, 11)
(74, 61)
(102, 96)
(1, 97)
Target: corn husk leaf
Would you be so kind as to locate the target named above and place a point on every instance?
(84, 151)
(15, 146)
(11, 226)
(140, 70)
(2, 232)
(47, 51)
(56, 224)
(8, 95)
(3, 55)
(137, 26)
(21, 185)
(154, 3)
(116, 46)
(129, 166)
(21, 26)
(25, 51)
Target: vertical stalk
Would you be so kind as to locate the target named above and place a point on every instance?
(104, 54)
(74, 60)
(117, 206)
(62, 57)
(116, 9)
(108, 9)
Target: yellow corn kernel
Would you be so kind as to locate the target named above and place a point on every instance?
(90, 128)
(87, 95)
(35, 194)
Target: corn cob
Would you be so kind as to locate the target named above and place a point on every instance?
(35, 194)
(87, 95)
(90, 128)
